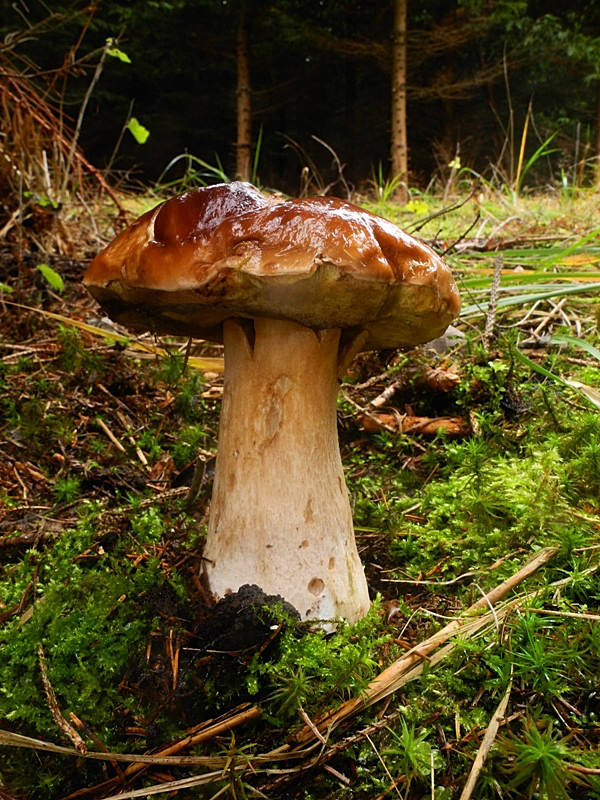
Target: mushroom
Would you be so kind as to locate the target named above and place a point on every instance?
(294, 290)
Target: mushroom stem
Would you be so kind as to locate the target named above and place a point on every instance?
(280, 515)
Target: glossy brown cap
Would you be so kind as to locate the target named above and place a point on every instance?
(225, 251)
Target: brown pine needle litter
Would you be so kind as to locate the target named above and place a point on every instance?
(302, 745)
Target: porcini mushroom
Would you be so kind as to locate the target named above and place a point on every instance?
(294, 290)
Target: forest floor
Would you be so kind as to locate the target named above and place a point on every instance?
(474, 475)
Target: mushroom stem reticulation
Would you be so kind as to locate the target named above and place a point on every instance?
(280, 512)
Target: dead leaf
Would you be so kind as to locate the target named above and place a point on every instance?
(426, 426)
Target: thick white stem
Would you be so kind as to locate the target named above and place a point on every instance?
(280, 515)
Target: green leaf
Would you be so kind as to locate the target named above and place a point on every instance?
(115, 52)
(5, 288)
(137, 130)
(53, 278)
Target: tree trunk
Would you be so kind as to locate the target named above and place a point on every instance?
(243, 147)
(597, 148)
(399, 147)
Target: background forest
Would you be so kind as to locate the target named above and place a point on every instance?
(320, 80)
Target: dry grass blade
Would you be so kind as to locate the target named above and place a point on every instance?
(164, 757)
(395, 675)
(592, 394)
(485, 745)
(170, 786)
(205, 364)
(9, 739)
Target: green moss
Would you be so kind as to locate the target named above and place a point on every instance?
(316, 667)
(90, 616)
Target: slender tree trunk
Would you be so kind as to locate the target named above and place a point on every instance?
(399, 147)
(243, 147)
(597, 148)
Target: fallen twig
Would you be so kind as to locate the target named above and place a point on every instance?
(110, 435)
(374, 422)
(67, 729)
(383, 398)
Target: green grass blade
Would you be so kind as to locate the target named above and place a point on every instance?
(542, 150)
(256, 159)
(476, 309)
(573, 341)
(593, 234)
(528, 280)
(538, 367)
(592, 394)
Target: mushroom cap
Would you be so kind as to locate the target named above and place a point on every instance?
(225, 251)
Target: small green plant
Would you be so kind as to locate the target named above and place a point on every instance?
(412, 755)
(540, 152)
(188, 399)
(186, 447)
(170, 368)
(149, 442)
(535, 761)
(197, 172)
(67, 489)
(148, 526)
(385, 187)
(292, 691)
(75, 356)
(315, 667)
(539, 655)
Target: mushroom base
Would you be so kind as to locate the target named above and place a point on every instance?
(280, 515)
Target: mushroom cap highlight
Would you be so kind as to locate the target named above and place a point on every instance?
(225, 251)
